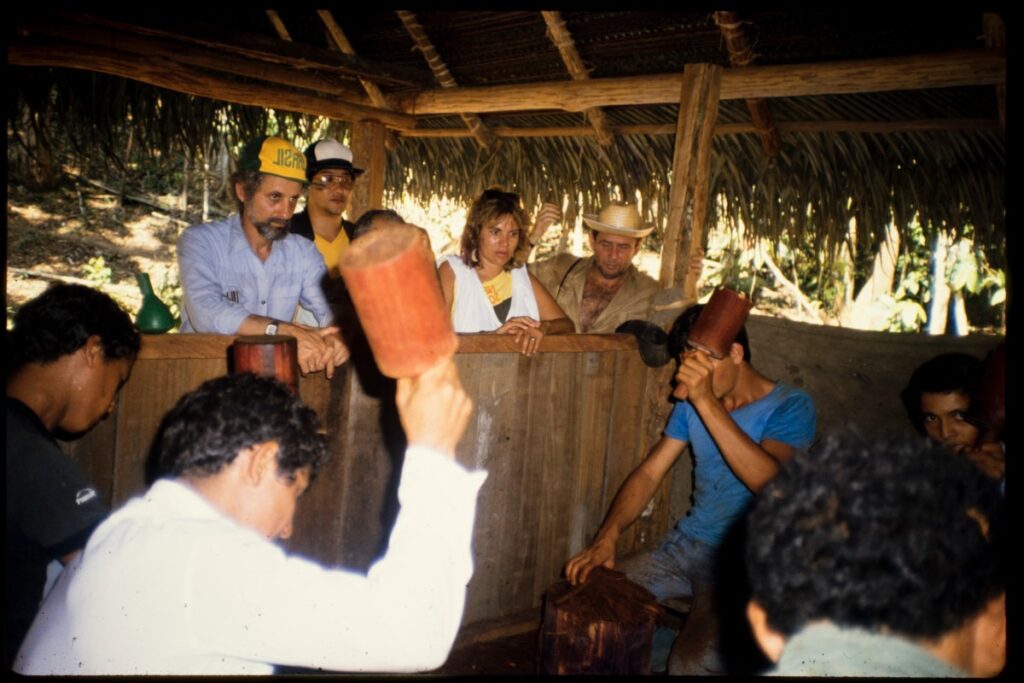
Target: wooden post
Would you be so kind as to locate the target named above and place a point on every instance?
(691, 168)
(368, 153)
(995, 38)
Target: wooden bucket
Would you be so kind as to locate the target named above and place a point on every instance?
(268, 356)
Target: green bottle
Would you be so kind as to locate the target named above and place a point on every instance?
(153, 317)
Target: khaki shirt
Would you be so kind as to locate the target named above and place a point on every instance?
(631, 302)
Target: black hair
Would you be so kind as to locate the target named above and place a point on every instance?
(208, 427)
(943, 374)
(59, 321)
(685, 322)
(880, 535)
(365, 222)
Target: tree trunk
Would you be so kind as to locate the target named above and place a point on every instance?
(938, 306)
(958, 315)
(864, 314)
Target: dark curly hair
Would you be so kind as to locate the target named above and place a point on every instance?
(489, 208)
(876, 535)
(59, 321)
(685, 322)
(943, 374)
(208, 427)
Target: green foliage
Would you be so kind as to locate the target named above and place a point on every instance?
(97, 271)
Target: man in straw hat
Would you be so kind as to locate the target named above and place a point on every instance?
(246, 274)
(602, 291)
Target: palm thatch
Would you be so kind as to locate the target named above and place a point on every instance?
(951, 180)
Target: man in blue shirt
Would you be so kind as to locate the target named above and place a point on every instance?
(741, 427)
(246, 274)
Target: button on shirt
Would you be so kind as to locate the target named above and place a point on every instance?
(223, 281)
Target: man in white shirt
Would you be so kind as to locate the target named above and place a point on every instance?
(187, 579)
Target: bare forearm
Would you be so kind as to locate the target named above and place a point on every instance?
(630, 501)
(751, 463)
(256, 324)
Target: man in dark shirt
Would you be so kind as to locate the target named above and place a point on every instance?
(69, 352)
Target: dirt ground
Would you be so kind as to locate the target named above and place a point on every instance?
(53, 235)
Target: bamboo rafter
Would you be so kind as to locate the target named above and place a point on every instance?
(741, 54)
(560, 36)
(444, 77)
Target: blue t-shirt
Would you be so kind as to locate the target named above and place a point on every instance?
(786, 414)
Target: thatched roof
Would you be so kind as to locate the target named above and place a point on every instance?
(944, 161)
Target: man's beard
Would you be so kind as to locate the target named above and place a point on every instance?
(272, 228)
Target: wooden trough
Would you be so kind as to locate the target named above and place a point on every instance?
(558, 434)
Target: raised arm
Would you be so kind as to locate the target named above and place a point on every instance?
(633, 496)
(755, 464)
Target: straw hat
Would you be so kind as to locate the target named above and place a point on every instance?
(618, 219)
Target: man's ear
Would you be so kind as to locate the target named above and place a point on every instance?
(93, 348)
(240, 191)
(259, 461)
(736, 353)
(771, 641)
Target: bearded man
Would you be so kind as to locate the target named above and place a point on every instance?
(246, 273)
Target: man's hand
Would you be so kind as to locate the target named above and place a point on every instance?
(600, 554)
(694, 377)
(434, 408)
(336, 352)
(548, 215)
(989, 458)
(527, 332)
(312, 349)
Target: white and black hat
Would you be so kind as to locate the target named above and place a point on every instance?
(329, 153)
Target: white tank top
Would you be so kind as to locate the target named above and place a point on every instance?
(473, 312)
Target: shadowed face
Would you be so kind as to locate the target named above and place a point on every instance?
(279, 499)
(613, 254)
(94, 393)
(945, 422)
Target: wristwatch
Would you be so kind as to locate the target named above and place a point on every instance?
(271, 329)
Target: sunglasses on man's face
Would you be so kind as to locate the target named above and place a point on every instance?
(324, 180)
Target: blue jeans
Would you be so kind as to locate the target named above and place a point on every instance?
(678, 568)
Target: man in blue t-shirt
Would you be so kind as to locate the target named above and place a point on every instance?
(741, 427)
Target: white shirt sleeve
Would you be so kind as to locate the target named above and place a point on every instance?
(257, 603)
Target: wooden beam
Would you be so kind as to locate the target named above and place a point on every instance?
(481, 133)
(691, 170)
(165, 73)
(741, 54)
(722, 128)
(341, 41)
(255, 46)
(368, 148)
(995, 38)
(946, 70)
(193, 55)
(560, 36)
(278, 24)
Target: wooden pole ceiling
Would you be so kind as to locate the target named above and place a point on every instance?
(560, 36)
(741, 54)
(944, 70)
(477, 127)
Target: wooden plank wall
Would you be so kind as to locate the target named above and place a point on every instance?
(557, 433)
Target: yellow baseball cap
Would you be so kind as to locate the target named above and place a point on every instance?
(274, 156)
